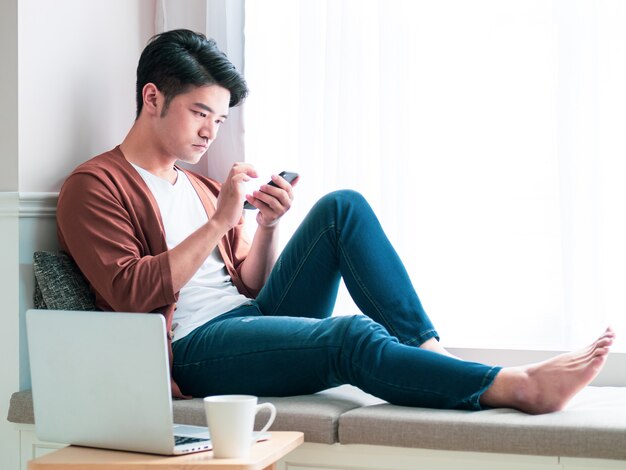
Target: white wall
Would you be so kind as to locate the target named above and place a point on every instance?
(77, 64)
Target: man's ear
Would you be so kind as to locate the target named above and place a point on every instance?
(152, 99)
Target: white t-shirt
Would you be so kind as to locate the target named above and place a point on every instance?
(210, 292)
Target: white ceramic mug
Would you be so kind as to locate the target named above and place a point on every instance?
(231, 422)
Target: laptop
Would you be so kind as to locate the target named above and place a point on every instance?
(102, 379)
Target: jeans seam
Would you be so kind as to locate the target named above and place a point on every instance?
(205, 362)
(422, 337)
(299, 268)
(392, 385)
(363, 288)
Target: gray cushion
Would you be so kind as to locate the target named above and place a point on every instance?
(21, 408)
(593, 426)
(316, 415)
(59, 283)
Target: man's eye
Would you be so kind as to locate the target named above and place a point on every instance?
(201, 114)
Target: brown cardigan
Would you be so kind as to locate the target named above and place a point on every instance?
(110, 224)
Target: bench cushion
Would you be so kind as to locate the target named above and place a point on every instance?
(316, 415)
(593, 426)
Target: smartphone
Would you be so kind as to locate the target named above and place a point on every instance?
(287, 175)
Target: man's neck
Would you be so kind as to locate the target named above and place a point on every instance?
(138, 148)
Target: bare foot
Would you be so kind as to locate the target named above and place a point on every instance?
(435, 346)
(548, 386)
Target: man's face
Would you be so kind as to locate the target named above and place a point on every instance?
(191, 122)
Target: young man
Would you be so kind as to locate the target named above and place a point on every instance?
(151, 237)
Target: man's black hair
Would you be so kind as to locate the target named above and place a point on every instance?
(179, 59)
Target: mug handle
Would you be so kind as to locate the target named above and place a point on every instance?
(270, 421)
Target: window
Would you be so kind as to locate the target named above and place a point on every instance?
(489, 136)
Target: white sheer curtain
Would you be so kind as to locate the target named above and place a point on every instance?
(488, 135)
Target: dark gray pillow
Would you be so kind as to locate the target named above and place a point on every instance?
(59, 283)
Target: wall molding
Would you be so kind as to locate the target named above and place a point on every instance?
(38, 204)
(28, 204)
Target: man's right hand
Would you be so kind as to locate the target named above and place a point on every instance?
(231, 197)
(187, 257)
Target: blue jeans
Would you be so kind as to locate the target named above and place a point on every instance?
(287, 343)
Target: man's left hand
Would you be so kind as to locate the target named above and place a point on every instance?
(272, 201)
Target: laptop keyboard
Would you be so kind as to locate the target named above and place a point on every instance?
(180, 440)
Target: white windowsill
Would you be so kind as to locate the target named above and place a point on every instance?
(613, 374)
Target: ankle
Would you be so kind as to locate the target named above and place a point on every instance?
(511, 388)
(435, 346)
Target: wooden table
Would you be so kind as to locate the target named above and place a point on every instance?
(263, 455)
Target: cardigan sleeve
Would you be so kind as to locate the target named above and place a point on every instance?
(100, 230)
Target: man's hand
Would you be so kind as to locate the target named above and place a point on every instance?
(272, 201)
(231, 196)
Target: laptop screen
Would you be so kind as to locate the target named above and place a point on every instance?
(101, 379)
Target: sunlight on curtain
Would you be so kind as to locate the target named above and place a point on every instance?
(489, 136)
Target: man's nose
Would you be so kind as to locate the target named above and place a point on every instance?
(209, 130)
